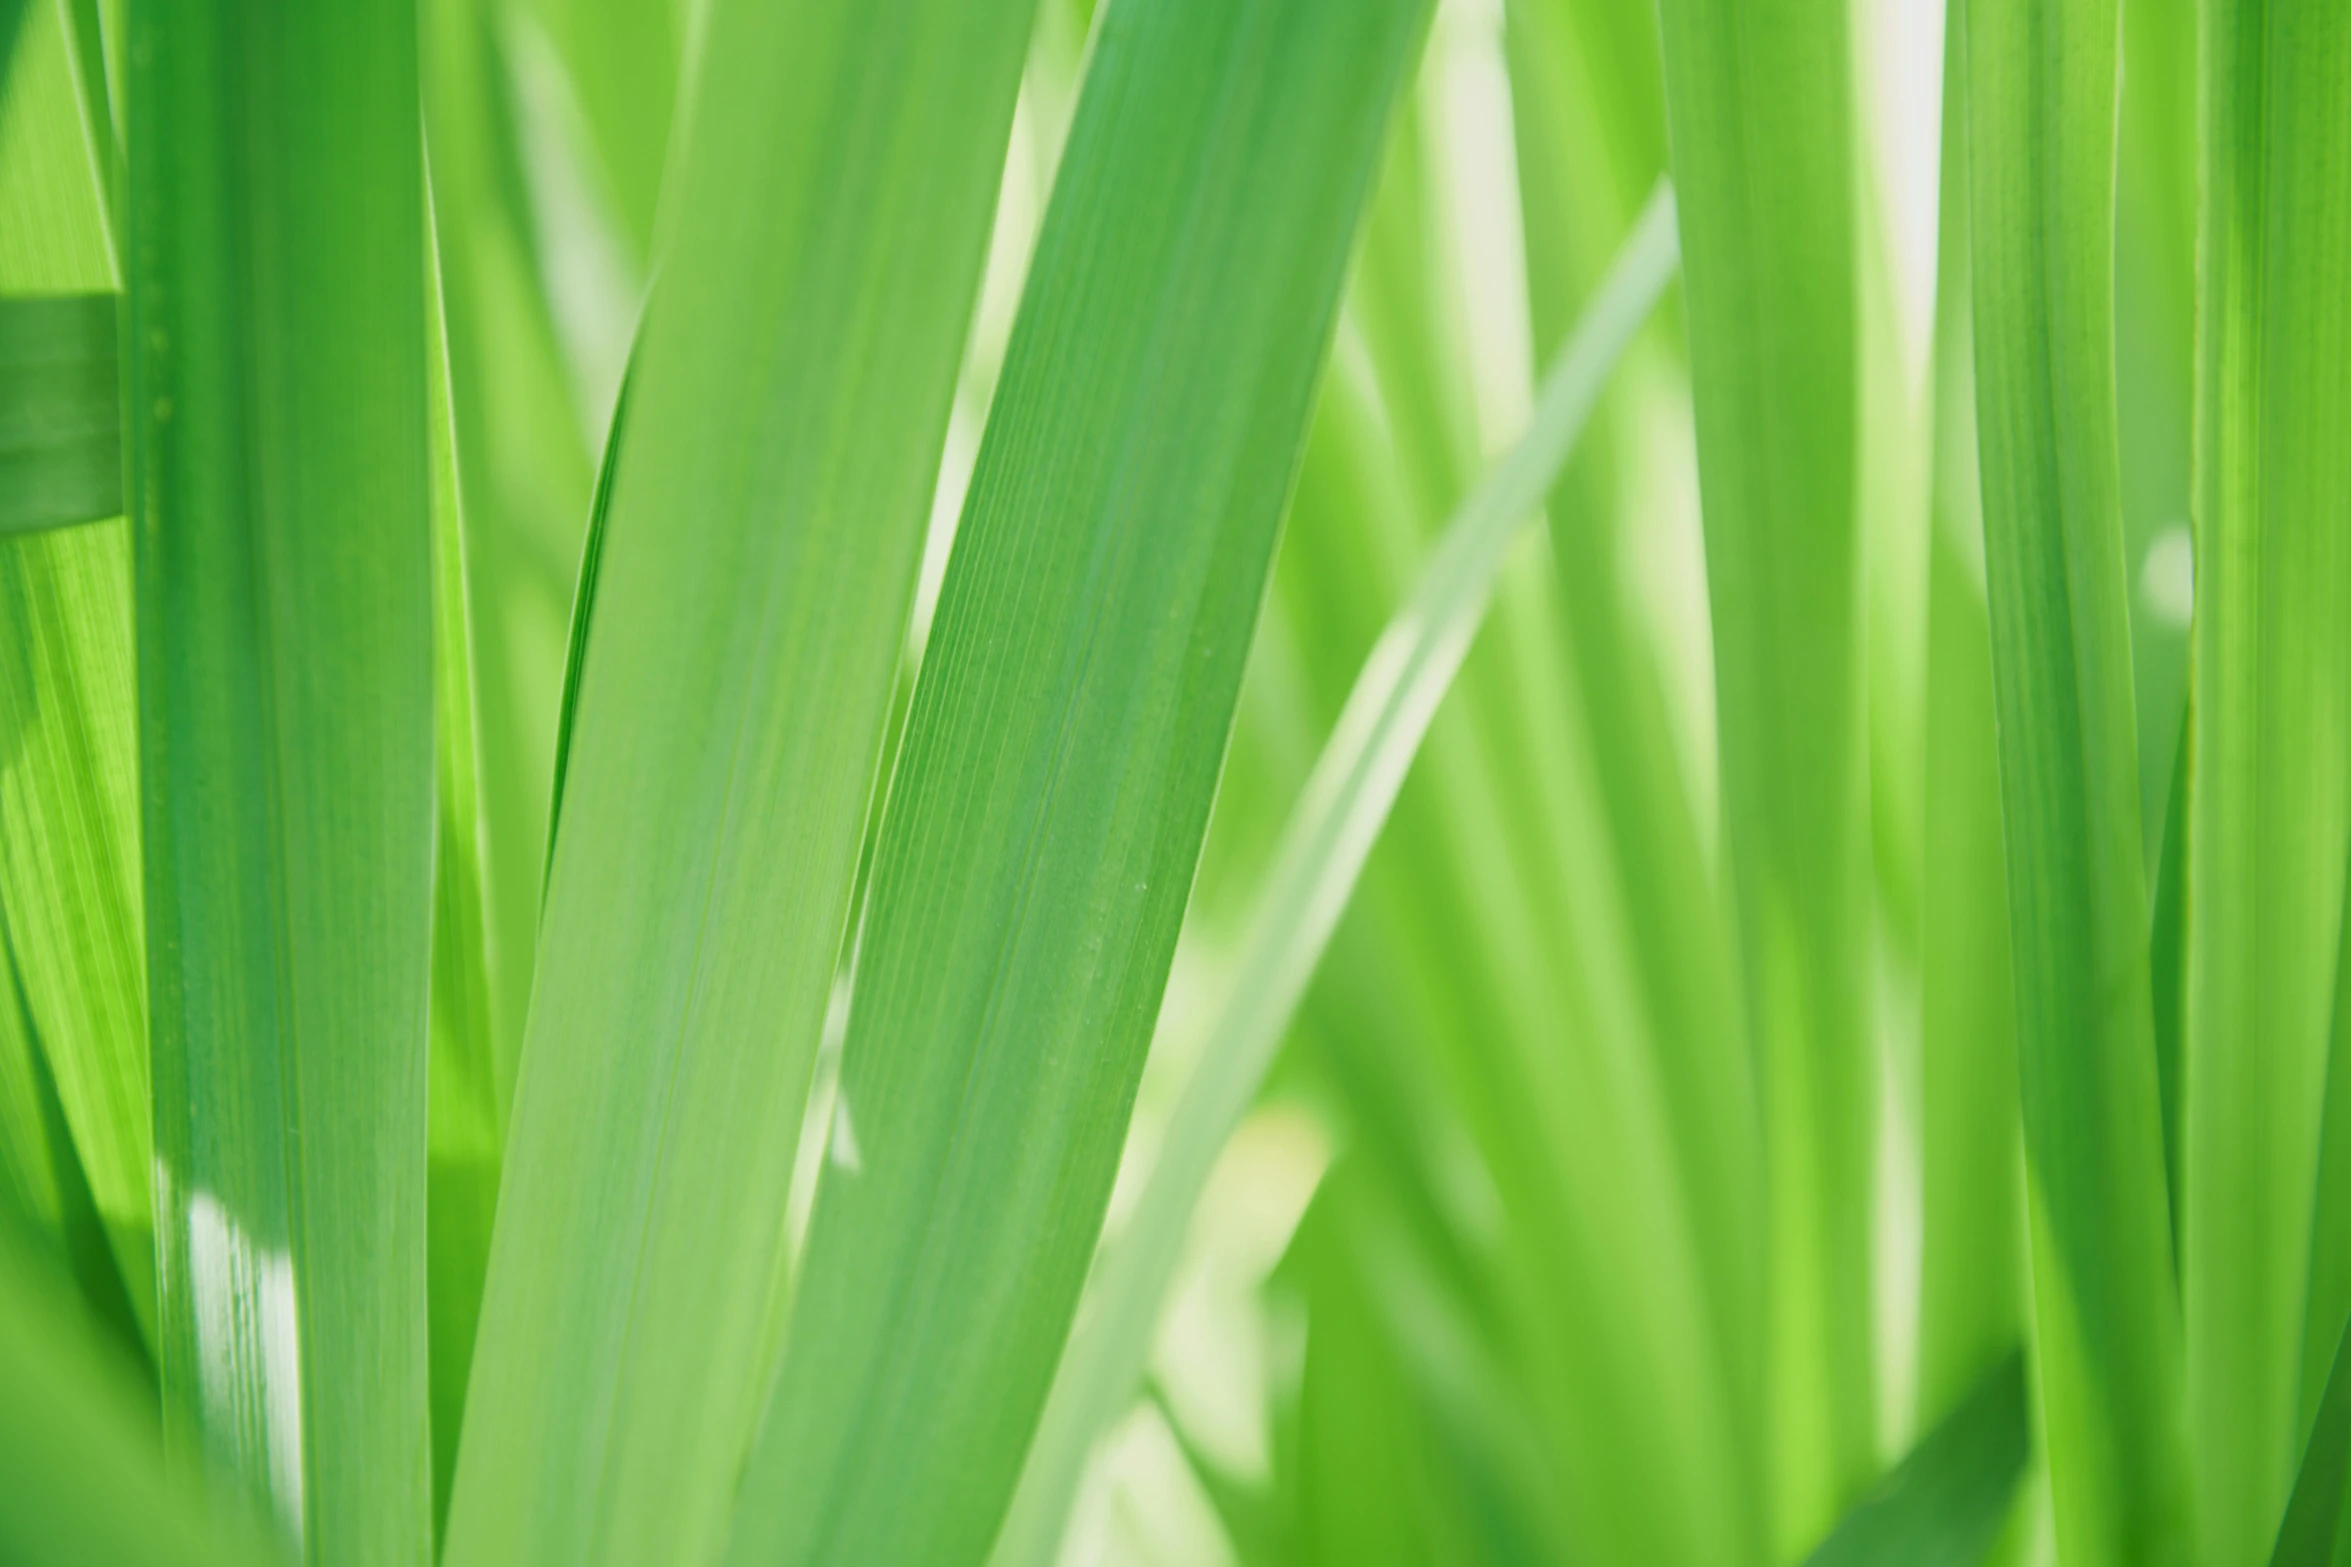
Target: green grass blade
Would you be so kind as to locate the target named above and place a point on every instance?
(787, 406)
(82, 1476)
(465, 1130)
(1972, 1252)
(282, 518)
(60, 419)
(525, 474)
(1943, 1504)
(2329, 1306)
(2269, 794)
(2041, 127)
(1758, 114)
(1049, 803)
(1313, 874)
(69, 830)
(2167, 943)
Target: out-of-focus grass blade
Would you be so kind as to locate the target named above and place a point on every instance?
(82, 1476)
(464, 1127)
(2310, 1533)
(1972, 1257)
(525, 475)
(1589, 107)
(2269, 785)
(1313, 874)
(788, 400)
(1758, 115)
(69, 829)
(60, 417)
(281, 493)
(1060, 757)
(1943, 1504)
(2041, 127)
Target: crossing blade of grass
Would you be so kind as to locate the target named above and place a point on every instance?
(1758, 119)
(282, 525)
(69, 831)
(60, 419)
(1972, 1256)
(1943, 1504)
(2310, 1534)
(2041, 128)
(2269, 791)
(1313, 874)
(82, 1476)
(2329, 1308)
(787, 405)
(1060, 756)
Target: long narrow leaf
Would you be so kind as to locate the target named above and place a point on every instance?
(1322, 850)
(281, 501)
(1759, 116)
(1061, 754)
(2041, 127)
(787, 404)
(2269, 777)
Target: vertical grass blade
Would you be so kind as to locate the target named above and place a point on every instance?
(2041, 128)
(69, 828)
(282, 524)
(1060, 756)
(2269, 781)
(2311, 1532)
(1972, 1254)
(1759, 125)
(465, 1129)
(60, 419)
(1312, 876)
(787, 403)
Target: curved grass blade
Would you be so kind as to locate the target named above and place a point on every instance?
(1759, 123)
(69, 828)
(1314, 870)
(82, 1477)
(60, 416)
(1067, 730)
(282, 501)
(2270, 772)
(788, 401)
(2041, 127)
(1943, 1504)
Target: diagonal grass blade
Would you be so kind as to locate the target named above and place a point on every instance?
(60, 417)
(1313, 874)
(787, 404)
(1060, 756)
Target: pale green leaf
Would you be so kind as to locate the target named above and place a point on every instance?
(1758, 107)
(788, 399)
